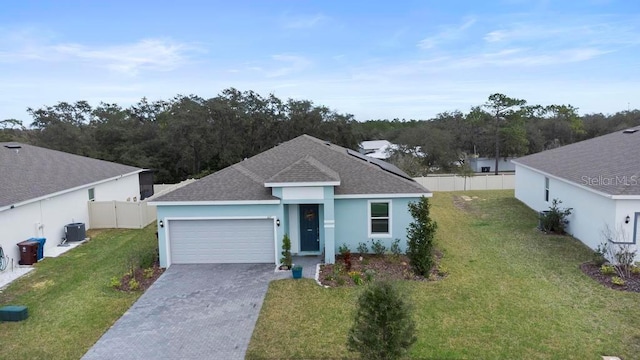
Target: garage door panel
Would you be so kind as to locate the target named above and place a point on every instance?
(221, 241)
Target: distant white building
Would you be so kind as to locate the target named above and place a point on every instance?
(487, 165)
(379, 149)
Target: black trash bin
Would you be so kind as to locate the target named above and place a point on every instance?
(28, 252)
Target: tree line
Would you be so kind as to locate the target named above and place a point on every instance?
(189, 136)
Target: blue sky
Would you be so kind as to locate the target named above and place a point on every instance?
(372, 59)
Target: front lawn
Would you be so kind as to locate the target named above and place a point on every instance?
(511, 293)
(70, 301)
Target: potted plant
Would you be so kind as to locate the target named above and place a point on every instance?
(286, 253)
(297, 271)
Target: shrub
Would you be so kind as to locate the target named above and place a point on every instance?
(555, 219)
(133, 284)
(286, 252)
(369, 274)
(356, 277)
(635, 270)
(114, 282)
(420, 235)
(383, 327)
(377, 247)
(599, 254)
(395, 247)
(346, 257)
(607, 270)
(343, 249)
(616, 280)
(148, 273)
(442, 271)
(362, 248)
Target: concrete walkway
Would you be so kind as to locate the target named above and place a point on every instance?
(203, 311)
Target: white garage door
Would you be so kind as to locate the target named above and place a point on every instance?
(221, 241)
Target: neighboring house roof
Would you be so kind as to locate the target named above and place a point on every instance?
(608, 164)
(304, 159)
(28, 172)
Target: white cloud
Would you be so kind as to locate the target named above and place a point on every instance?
(446, 34)
(292, 64)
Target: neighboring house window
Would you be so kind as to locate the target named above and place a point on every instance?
(92, 194)
(380, 218)
(546, 189)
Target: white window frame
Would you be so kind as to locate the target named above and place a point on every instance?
(389, 218)
(89, 193)
(546, 189)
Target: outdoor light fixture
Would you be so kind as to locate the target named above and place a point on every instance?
(627, 219)
(277, 222)
(161, 223)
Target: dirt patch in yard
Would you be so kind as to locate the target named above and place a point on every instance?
(631, 283)
(368, 267)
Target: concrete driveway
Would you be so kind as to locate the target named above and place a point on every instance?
(191, 312)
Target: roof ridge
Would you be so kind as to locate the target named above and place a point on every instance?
(248, 173)
(321, 166)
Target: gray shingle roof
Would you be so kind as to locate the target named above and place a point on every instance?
(31, 172)
(306, 169)
(607, 163)
(295, 161)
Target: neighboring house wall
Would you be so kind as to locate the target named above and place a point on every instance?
(352, 222)
(21, 223)
(591, 211)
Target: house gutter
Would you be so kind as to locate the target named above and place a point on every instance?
(62, 192)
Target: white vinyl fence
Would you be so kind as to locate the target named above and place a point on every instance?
(476, 182)
(120, 214)
(126, 214)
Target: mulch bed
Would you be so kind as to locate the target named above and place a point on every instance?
(144, 279)
(631, 284)
(384, 267)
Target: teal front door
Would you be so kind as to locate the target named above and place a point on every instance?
(309, 228)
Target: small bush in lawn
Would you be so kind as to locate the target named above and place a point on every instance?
(555, 219)
(362, 248)
(383, 327)
(635, 270)
(420, 235)
(395, 247)
(114, 282)
(133, 284)
(607, 270)
(377, 247)
(148, 273)
(616, 280)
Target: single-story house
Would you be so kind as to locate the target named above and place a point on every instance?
(487, 165)
(42, 190)
(320, 194)
(599, 178)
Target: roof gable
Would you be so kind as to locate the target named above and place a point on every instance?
(607, 164)
(302, 159)
(29, 172)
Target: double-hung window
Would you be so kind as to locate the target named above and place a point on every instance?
(379, 218)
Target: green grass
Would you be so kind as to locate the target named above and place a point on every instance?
(69, 299)
(511, 293)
